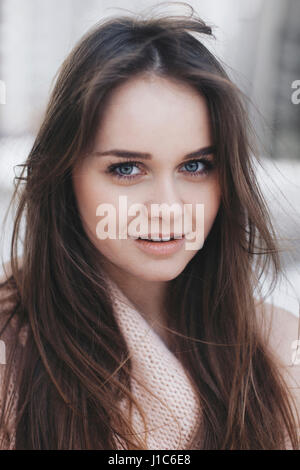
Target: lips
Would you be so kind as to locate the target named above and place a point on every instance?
(163, 248)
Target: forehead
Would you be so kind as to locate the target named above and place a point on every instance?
(150, 110)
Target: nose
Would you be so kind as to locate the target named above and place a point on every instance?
(165, 203)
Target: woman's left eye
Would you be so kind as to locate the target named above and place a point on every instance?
(200, 167)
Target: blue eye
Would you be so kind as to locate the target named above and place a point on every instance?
(123, 170)
(200, 167)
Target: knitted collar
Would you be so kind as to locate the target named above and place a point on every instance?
(173, 413)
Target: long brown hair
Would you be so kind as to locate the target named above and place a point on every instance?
(75, 367)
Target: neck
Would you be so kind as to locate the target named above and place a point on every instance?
(148, 297)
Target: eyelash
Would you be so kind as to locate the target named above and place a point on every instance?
(112, 168)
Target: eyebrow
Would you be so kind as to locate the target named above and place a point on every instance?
(147, 156)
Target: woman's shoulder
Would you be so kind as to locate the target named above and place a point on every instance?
(8, 326)
(8, 334)
(281, 331)
(6, 330)
(280, 328)
(12, 334)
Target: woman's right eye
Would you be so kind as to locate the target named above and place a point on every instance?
(123, 170)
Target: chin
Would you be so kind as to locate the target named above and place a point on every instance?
(159, 274)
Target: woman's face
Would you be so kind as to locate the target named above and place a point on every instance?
(166, 120)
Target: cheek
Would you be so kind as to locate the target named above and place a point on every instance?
(210, 197)
(88, 195)
(112, 250)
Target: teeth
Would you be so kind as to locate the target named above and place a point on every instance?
(157, 239)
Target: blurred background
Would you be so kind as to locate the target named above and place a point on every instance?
(258, 41)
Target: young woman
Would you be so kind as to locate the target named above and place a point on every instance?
(122, 343)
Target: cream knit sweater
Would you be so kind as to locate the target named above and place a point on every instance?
(173, 413)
